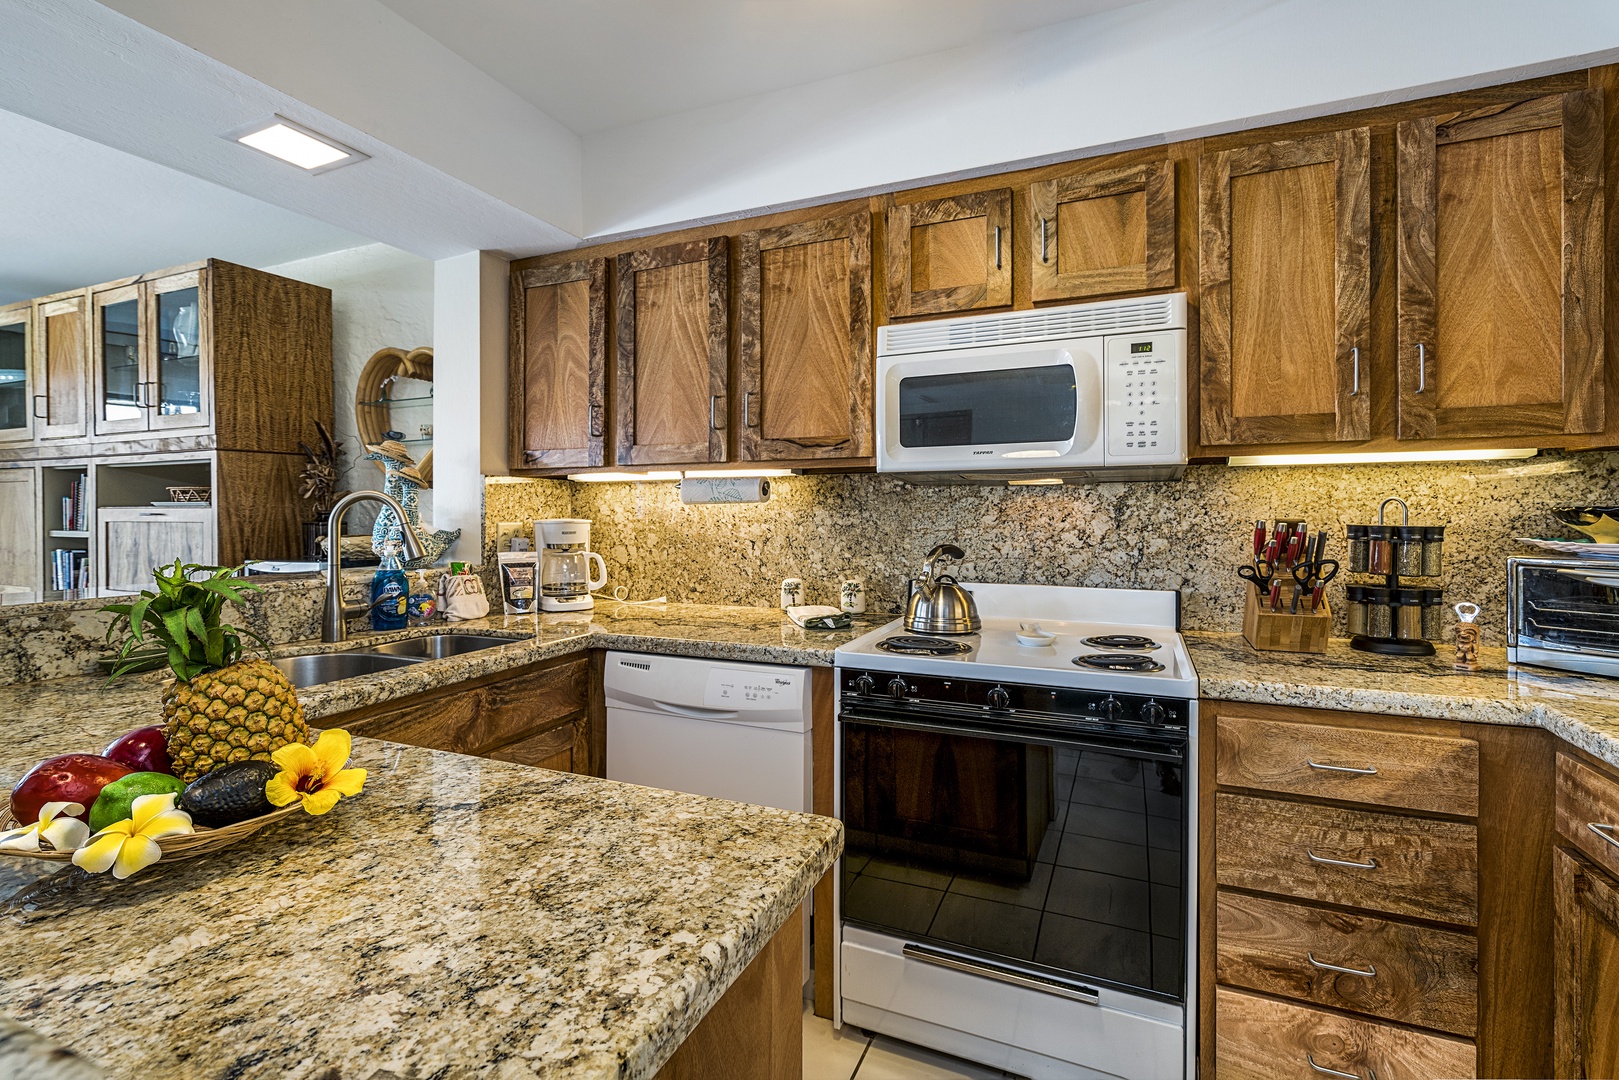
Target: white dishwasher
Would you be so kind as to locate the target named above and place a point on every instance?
(710, 727)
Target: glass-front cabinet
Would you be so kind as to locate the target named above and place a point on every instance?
(150, 364)
(16, 386)
(61, 376)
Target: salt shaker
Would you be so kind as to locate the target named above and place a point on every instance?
(853, 595)
(792, 592)
(1466, 637)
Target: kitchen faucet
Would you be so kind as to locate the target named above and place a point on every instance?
(336, 613)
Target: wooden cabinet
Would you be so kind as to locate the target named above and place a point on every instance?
(1501, 270)
(133, 540)
(20, 528)
(16, 374)
(806, 341)
(1100, 232)
(949, 255)
(1285, 237)
(559, 365)
(1587, 970)
(670, 398)
(61, 395)
(1588, 811)
(152, 371)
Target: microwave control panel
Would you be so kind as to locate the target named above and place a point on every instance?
(1146, 413)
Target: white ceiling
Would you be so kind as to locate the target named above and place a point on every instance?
(78, 213)
(608, 63)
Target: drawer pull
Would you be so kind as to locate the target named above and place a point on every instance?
(1340, 768)
(1369, 973)
(1369, 864)
(1604, 831)
(1324, 1071)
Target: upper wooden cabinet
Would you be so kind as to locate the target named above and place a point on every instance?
(1103, 232)
(806, 361)
(670, 399)
(559, 365)
(152, 371)
(1286, 285)
(16, 374)
(1500, 270)
(948, 255)
(62, 366)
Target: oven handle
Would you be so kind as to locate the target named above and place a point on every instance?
(940, 958)
(1165, 751)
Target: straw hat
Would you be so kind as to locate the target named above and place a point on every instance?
(392, 449)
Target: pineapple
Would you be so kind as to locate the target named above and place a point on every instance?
(220, 708)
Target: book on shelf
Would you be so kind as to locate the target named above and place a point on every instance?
(75, 514)
(70, 569)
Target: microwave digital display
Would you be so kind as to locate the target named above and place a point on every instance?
(980, 408)
(1140, 347)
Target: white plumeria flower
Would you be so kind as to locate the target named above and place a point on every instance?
(55, 824)
(131, 844)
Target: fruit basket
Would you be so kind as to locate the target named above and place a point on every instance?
(186, 846)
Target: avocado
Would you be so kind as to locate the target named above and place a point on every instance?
(229, 794)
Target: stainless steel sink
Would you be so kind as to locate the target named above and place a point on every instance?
(317, 668)
(436, 646)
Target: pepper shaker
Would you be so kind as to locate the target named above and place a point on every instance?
(1467, 631)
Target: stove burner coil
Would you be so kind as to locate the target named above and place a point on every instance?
(911, 645)
(1118, 662)
(1127, 642)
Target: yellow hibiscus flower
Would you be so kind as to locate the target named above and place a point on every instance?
(131, 844)
(315, 774)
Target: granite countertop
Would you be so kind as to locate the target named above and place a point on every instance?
(1583, 710)
(459, 918)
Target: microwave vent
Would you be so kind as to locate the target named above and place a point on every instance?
(1081, 320)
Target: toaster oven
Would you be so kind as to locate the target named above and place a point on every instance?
(1564, 613)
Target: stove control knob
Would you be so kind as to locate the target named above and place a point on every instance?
(999, 698)
(897, 687)
(864, 684)
(1154, 713)
(1112, 709)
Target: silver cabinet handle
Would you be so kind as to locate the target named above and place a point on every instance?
(1422, 367)
(713, 403)
(997, 247)
(37, 414)
(596, 421)
(1324, 1071)
(1369, 973)
(1043, 239)
(1604, 831)
(1340, 768)
(1369, 864)
(1354, 356)
(747, 409)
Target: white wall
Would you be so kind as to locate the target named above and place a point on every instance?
(381, 297)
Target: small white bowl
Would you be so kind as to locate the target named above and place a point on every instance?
(1035, 639)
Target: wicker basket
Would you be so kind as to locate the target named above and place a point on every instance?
(191, 493)
(188, 846)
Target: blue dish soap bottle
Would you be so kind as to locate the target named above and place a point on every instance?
(389, 592)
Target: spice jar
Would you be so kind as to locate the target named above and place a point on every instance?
(1408, 550)
(1379, 613)
(1408, 614)
(1433, 550)
(1360, 553)
(1356, 608)
(1433, 613)
(1380, 554)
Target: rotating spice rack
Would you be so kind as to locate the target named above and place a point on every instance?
(1390, 619)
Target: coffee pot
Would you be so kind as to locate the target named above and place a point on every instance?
(565, 562)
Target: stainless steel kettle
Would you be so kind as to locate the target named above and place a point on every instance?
(938, 604)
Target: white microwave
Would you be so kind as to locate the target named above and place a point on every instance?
(1079, 393)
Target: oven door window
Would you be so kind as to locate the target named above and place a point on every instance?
(1052, 857)
(1571, 608)
(987, 408)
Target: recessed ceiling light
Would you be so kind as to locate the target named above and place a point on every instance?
(289, 141)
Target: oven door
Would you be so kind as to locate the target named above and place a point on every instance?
(1051, 860)
(1006, 407)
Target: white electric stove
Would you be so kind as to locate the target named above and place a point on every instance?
(1018, 885)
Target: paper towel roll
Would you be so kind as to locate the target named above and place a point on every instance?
(724, 489)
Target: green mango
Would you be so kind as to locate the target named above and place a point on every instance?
(113, 804)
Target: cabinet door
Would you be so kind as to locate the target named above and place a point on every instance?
(117, 344)
(559, 365)
(179, 379)
(20, 560)
(565, 748)
(1587, 970)
(1103, 232)
(806, 368)
(134, 541)
(670, 398)
(1500, 270)
(16, 389)
(62, 367)
(949, 255)
(1286, 275)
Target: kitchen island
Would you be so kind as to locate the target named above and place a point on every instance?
(460, 917)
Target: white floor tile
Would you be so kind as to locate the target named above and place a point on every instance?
(829, 1054)
(890, 1059)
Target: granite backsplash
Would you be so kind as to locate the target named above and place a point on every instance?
(1188, 535)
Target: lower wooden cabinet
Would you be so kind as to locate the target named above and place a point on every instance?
(1587, 979)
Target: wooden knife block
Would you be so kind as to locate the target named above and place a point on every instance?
(1282, 631)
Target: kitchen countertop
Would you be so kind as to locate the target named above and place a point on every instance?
(459, 918)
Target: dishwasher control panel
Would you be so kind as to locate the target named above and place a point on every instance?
(733, 688)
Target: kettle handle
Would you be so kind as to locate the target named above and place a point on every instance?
(943, 551)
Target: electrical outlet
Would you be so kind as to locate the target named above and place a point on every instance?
(505, 531)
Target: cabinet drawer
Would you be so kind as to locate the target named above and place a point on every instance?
(1408, 973)
(1400, 865)
(1259, 1039)
(1588, 811)
(1381, 768)
(476, 719)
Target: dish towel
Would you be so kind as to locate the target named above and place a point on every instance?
(820, 617)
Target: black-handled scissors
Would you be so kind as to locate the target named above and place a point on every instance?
(1312, 577)
(1260, 579)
